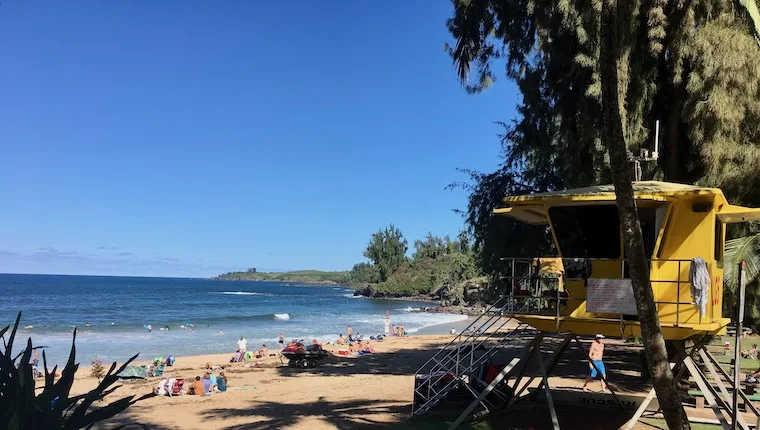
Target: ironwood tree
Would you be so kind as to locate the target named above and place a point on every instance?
(695, 66)
(594, 76)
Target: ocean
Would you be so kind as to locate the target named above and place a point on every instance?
(203, 316)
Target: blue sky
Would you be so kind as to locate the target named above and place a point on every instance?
(192, 138)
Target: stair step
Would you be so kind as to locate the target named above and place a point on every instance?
(445, 361)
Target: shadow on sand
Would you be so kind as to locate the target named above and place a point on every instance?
(342, 415)
(621, 360)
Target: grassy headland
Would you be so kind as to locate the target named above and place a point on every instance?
(304, 276)
(440, 267)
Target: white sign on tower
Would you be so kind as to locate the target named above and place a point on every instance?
(610, 296)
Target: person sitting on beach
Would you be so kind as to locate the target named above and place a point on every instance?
(221, 382)
(393, 330)
(314, 341)
(341, 340)
(196, 388)
(207, 383)
(152, 368)
(263, 352)
(367, 348)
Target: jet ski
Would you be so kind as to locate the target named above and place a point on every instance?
(303, 356)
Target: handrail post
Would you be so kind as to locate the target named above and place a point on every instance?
(738, 342)
(557, 306)
(678, 293)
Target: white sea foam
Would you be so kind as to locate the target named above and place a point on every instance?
(412, 321)
(243, 293)
(282, 317)
(438, 319)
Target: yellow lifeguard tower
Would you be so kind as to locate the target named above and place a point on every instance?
(680, 223)
(585, 290)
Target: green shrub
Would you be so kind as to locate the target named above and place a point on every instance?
(53, 407)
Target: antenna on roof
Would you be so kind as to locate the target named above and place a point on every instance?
(644, 155)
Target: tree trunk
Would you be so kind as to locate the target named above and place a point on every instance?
(612, 134)
(676, 158)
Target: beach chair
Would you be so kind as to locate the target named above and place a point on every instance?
(158, 371)
(177, 388)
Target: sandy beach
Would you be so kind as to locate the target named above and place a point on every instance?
(368, 391)
(372, 391)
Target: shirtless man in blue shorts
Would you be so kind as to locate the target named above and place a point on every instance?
(595, 354)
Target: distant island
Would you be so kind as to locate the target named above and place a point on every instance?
(313, 277)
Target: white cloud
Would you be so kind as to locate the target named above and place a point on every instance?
(52, 260)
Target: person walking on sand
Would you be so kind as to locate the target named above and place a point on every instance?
(595, 354)
(242, 343)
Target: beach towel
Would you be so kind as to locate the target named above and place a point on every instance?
(699, 277)
(131, 372)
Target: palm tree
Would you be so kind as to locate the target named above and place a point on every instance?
(747, 249)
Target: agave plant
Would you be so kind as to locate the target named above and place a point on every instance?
(53, 408)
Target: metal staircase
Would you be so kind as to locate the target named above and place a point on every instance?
(459, 363)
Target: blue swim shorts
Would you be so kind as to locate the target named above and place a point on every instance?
(600, 366)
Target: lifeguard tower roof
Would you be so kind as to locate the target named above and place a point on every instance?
(528, 208)
(680, 224)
